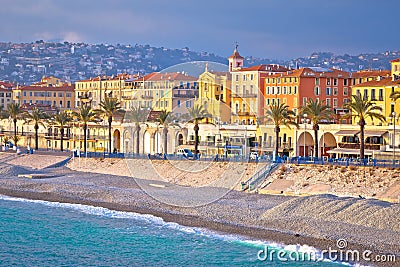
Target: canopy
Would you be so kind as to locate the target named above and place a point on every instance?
(375, 133)
(347, 132)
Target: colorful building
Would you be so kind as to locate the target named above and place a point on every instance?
(295, 87)
(5, 94)
(248, 89)
(215, 94)
(50, 91)
(165, 91)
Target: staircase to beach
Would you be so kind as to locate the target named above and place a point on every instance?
(259, 177)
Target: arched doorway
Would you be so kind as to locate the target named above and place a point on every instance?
(117, 141)
(146, 142)
(305, 144)
(180, 139)
(326, 143)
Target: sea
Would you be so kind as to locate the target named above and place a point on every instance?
(41, 233)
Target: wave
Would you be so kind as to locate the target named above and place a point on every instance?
(151, 219)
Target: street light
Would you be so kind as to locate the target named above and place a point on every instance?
(393, 116)
(305, 121)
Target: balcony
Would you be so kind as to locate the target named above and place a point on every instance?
(185, 95)
(243, 113)
(244, 95)
(147, 96)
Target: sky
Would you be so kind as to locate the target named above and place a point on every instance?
(274, 29)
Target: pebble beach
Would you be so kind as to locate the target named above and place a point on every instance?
(317, 220)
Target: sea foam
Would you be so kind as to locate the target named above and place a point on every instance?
(151, 219)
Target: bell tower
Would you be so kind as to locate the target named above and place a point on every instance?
(235, 60)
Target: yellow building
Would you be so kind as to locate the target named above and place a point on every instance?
(50, 92)
(379, 91)
(165, 91)
(95, 90)
(248, 89)
(215, 94)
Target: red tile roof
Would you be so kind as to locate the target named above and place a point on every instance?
(236, 55)
(383, 82)
(263, 67)
(169, 76)
(47, 88)
(370, 73)
(396, 60)
(309, 72)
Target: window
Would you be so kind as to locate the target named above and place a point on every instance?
(30, 93)
(68, 104)
(334, 81)
(237, 77)
(328, 91)
(346, 91)
(345, 82)
(295, 90)
(365, 97)
(328, 101)
(335, 103)
(380, 94)
(24, 93)
(316, 90)
(68, 95)
(61, 104)
(244, 107)
(268, 101)
(251, 76)
(284, 90)
(179, 103)
(278, 89)
(244, 77)
(316, 81)
(335, 91)
(268, 90)
(290, 90)
(304, 101)
(373, 96)
(328, 81)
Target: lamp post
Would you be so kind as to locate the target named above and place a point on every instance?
(394, 136)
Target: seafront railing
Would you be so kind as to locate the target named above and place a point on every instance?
(341, 162)
(211, 158)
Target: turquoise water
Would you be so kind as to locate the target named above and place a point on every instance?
(39, 233)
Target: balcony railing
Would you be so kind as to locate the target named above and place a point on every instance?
(185, 95)
(147, 96)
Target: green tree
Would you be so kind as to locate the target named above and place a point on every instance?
(38, 117)
(362, 109)
(85, 114)
(15, 112)
(196, 114)
(109, 106)
(278, 115)
(317, 111)
(62, 119)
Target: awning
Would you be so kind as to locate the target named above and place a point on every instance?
(347, 132)
(374, 133)
(348, 151)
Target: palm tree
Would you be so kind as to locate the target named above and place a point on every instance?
(85, 114)
(137, 115)
(15, 112)
(279, 114)
(62, 119)
(395, 95)
(165, 118)
(197, 113)
(37, 116)
(317, 111)
(108, 107)
(361, 109)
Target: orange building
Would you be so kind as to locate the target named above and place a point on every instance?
(295, 87)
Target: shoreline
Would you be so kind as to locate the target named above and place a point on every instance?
(126, 196)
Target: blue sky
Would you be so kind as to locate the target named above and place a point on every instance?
(275, 29)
